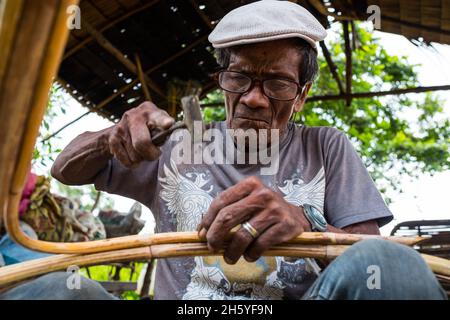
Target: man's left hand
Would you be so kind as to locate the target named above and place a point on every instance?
(275, 220)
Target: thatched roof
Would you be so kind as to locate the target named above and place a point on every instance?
(170, 38)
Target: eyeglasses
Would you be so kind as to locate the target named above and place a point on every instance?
(275, 88)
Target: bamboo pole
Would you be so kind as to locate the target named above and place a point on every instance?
(33, 268)
(29, 269)
(21, 271)
(47, 44)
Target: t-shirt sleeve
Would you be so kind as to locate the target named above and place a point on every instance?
(138, 183)
(350, 193)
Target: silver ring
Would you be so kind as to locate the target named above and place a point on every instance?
(253, 232)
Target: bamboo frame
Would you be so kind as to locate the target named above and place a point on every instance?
(45, 43)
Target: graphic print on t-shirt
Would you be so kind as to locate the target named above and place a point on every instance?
(187, 198)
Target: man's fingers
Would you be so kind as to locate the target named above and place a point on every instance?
(132, 153)
(118, 150)
(271, 236)
(141, 140)
(242, 240)
(160, 119)
(231, 216)
(164, 121)
(238, 245)
(227, 197)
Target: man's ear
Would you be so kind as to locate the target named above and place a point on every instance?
(300, 102)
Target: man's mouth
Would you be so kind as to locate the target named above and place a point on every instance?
(246, 118)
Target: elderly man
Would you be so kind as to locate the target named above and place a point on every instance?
(267, 51)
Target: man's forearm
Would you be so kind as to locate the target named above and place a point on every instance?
(367, 227)
(83, 158)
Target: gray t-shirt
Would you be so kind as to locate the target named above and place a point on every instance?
(318, 165)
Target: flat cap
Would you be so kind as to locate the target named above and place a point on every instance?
(266, 20)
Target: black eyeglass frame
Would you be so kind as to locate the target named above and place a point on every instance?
(252, 84)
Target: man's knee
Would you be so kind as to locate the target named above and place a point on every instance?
(383, 251)
(382, 258)
(383, 269)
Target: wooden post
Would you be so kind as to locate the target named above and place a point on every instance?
(147, 279)
(331, 66)
(348, 64)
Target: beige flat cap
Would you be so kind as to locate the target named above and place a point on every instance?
(265, 21)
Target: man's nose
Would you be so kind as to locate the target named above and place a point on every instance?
(255, 98)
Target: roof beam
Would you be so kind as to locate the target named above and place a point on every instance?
(417, 26)
(111, 24)
(108, 46)
(178, 54)
(359, 95)
(202, 14)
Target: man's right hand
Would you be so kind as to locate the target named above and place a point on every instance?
(130, 140)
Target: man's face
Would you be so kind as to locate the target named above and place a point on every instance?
(253, 109)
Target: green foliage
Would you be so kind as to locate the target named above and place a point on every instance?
(405, 133)
(105, 273)
(44, 153)
(213, 113)
(86, 196)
